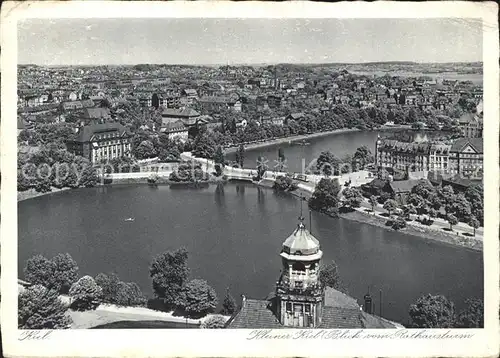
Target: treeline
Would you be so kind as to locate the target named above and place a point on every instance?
(52, 166)
(41, 305)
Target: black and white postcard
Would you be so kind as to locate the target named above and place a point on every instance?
(249, 179)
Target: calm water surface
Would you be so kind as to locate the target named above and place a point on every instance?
(234, 234)
(299, 157)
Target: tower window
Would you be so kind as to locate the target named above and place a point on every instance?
(298, 266)
(308, 308)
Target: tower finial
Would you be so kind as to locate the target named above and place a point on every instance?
(301, 217)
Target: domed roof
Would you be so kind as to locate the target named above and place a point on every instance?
(301, 242)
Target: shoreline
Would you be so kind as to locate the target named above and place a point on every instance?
(282, 140)
(427, 234)
(423, 233)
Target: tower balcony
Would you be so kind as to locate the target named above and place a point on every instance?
(299, 288)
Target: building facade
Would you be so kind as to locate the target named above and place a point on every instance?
(175, 129)
(101, 141)
(463, 157)
(471, 125)
(466, 158)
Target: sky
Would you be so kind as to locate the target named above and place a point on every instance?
(246, 41)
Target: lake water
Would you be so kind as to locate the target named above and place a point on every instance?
(299, 156)
(234, 233)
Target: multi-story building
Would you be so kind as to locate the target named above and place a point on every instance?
(175, 129)
(463, 157)
(98, 141)
(471, 125)
(439, 158)
(402, 155)
(466, 158)
(218, 103)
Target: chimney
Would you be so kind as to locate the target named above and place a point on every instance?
(243, 300)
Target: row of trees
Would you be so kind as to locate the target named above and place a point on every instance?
(338, 117)
(436, 311)
(40, 305)
(53, 166)
(328, 164)
(148, 144)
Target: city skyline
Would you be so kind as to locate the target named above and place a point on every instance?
(66, 42)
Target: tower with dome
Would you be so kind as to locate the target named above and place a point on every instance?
(299, 300)
(299, 293)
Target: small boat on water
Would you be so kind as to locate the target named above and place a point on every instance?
(130, 219)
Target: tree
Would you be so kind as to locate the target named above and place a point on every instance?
(219, 156)
(89, 177)
(65, 272)
(215, 321)
(327, 164)
(169, 272)
(329, 276)
(39, 271)
(85, 294)
(474, 223)
(472, 316)
(110, 286)
(203, 146)
(383, 197)
(373, 203)
(198, 298)
(229, 304)
(129, 294)
(284, 183)
(452, 220)
(145, 150)
(362, 157)
(325, 197)
(240, 155)
(432, 312)
(399, 223)
(459, 206)
(390, 205)
(352, 198)
(41, 308)
(475, 195)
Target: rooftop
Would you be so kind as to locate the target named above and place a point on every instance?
(301, 242)
(340, 311)
(460, 144)
(87, 132)
(183, 112)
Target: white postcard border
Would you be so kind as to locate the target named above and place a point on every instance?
(131, 343)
